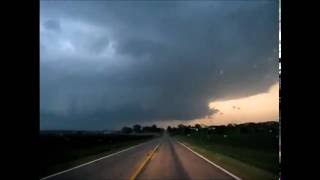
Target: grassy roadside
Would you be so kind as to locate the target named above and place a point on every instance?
(240, 161)
(61, 158)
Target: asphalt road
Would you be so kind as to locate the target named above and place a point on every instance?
(170, 161)
(119, 166)
(174, 161)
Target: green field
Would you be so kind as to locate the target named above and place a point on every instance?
(58, 153)
(250, 155)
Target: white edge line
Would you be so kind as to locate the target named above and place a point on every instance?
(47, 177)
(222, 169)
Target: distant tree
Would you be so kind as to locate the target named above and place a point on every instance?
(198, 126)
(154, 128)
(126, 130)
(181, 126)
(137, 128)
(187, 130)
(180, 129)
(146, 129)
(169, 129)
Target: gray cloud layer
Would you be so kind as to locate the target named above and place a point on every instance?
(106, 63)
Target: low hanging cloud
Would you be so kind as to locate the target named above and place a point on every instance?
(117, 63)
(53, 25)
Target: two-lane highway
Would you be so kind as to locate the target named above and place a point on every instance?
(170, 161)
(174, 161)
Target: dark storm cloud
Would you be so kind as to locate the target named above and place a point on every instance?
(52, 25)
(119, 62)
(99, 44)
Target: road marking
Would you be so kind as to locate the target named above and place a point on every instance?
(144, 163)
(210, 162)
(47, 177)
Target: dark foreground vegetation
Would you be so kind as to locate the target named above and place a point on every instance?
(60, 150)
(249, 150)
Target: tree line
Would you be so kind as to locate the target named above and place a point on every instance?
(139, 129)
(246, 128)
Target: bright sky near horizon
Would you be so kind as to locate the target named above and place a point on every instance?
(257, 108)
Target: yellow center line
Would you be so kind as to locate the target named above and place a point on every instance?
(144, 163)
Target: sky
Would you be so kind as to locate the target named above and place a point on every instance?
(108, 64)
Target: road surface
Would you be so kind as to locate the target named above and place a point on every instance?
(170, 161)
(174, 161)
